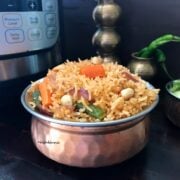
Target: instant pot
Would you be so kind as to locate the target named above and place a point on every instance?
(29, 32)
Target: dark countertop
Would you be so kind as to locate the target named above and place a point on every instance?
(19, 159)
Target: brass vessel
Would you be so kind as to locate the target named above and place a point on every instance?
(106, 39)
(144, 67)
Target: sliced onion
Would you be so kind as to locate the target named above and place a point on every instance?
(84, 93)
(71, 91)
(81, 93)
(44, 110)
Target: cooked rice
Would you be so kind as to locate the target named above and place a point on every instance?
(104, 92)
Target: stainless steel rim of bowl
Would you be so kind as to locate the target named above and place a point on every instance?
(136, 117)
(168, 85)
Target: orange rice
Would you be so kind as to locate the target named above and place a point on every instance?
(104, 92)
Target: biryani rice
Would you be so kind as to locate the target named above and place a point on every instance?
(104, 92)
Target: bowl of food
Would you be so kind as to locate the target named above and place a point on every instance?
(172, 101)
(90, 114)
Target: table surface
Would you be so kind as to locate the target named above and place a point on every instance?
(19, 159)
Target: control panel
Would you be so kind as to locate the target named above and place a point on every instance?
(28, 25)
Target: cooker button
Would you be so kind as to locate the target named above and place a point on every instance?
(50, 19)
(12, 6)
(51, 32)
(50, 5)
(34, 34)
(32, 6)
(33, 19)
(14, 36)
(12, 20)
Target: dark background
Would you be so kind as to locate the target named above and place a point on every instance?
(141, 22)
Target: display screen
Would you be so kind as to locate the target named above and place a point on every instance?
(20, 5)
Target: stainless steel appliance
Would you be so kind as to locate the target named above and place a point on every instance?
(29, 30)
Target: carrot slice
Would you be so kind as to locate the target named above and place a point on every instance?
(129, 76)
(93, 71)
(45, 94)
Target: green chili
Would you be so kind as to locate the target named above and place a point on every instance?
(142, 51)
(92, 110)
(153, 50)
(96, 112)
(150, 49)
(163, 66)
(79, 106)
(161, 58)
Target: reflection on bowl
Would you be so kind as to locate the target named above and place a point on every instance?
(172, 104)
(84, 144)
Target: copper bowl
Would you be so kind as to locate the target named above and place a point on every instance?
(83, 144)
(172, 105)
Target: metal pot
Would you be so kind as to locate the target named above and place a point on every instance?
(172, 105)
(85, 144)
(144, 67)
